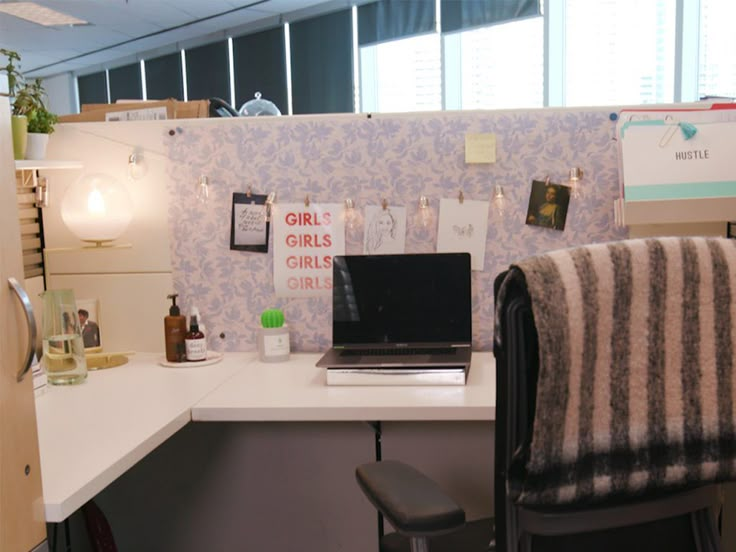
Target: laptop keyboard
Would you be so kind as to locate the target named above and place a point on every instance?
(401, 352)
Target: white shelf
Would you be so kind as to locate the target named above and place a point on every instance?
(31, 164)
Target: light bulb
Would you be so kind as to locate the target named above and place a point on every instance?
(575, 176)
(96, 203)
(351, 215)
(425, 213)
(202, 191)
(500, 203)
(137, 167)
(96, 208)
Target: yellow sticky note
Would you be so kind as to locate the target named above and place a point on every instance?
(480, 148)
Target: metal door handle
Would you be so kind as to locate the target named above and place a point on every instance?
(30, 320)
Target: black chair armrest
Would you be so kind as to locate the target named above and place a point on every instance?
(408, 499)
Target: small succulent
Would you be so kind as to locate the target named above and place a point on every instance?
(272, 318)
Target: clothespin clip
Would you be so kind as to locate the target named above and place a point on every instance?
(249, 192)
(460, 197)
(384, 204)
(306, 200)
(270, 199)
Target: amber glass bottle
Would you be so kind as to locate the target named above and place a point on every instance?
(175, 329)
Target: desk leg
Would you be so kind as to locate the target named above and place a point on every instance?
(377, 438)
(67, 536)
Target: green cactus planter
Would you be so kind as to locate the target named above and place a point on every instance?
(272, 318)
(273, 337)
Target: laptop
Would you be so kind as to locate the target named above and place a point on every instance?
(400, 320)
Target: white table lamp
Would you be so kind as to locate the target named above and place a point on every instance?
(97, 208)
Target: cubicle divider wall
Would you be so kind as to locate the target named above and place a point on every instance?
(369, 159)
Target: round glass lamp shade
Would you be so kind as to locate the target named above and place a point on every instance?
(96, 208)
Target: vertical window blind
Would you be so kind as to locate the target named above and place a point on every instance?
(163, 77)
(92, 88)
(321, 72)
(208, 72)
(458, 15)
(259, 62)
(125, 83)
(390, 19)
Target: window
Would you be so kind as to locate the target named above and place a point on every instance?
(496, 67)
(402, 75)
(164, 78)
(428, 55)
(260, 66)
(491, 57)
(125, 83)
(92, 88)
(618, 52)
(717, 75)
(322, 72)
(208, 73)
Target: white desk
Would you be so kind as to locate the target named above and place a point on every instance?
(91, 434)
(296, 391)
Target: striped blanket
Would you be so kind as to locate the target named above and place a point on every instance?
(636, 353)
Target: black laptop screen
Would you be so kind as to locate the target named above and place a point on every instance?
(401, 299)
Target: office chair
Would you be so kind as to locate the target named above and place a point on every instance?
(221, 108)
(661, 494)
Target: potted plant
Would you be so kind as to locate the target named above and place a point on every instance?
(32, 100)
(19, 120)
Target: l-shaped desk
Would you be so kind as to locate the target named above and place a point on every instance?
(91, 434)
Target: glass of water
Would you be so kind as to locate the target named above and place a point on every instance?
(63, 348)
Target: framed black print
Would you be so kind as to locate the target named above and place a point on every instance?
(248, 226)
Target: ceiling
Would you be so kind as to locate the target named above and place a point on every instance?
(120, 30)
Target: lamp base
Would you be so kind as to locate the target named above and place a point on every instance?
(105, 244)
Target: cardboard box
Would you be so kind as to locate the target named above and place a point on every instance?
(139, 111)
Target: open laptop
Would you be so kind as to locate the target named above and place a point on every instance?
(400, 320)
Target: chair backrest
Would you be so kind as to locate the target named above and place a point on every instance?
(519, 343)
(517, 359)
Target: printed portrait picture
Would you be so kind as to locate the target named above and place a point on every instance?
(385, 230)
(548, 203)
(89, 322)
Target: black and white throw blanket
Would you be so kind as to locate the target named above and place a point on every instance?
(636, 390)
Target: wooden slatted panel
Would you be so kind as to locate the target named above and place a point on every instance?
(30, 229)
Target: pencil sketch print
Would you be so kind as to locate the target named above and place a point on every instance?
(463, 232)
(385, 230)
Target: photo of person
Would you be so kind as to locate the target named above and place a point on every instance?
(90, 330)
(548, 205)
(386, 230)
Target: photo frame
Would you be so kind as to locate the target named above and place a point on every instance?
(90, 324)
(548, 204)
(249, 228)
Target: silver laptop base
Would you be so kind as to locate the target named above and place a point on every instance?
(396, 376)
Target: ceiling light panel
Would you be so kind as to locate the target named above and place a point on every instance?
(41, 15)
